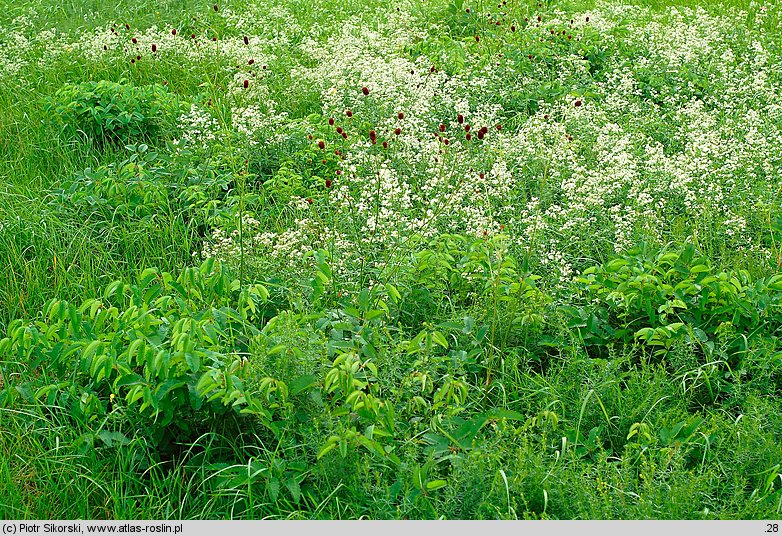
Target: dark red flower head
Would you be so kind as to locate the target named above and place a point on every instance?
(397, 131)
(246, 84)
(339, 129)
(105, 47)
(154, 47)
(134, 41)
(348, 113)
(365, 90)
(246, 40)
(309, 201)
(372, 135)
(400, 115)
(385, 145)
(321, 144)
(512, 28)
(577, 103)
(331, 121)
(250, 61)
(328, 183)
(442, 127)
(468, 136)
(467, 128)
(173, 32)
(460, 118)
(215, 7)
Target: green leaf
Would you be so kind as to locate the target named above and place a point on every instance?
(302, 383)
(435, 484)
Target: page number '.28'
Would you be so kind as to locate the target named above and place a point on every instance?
(772, 527)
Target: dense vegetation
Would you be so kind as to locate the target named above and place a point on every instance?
(416, 259)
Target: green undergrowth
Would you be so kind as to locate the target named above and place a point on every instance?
(434, 260)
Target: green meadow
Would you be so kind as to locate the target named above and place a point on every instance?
(421, 259)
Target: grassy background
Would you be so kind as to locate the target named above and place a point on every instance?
(729, 469)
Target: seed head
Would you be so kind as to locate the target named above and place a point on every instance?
(468, 136)
(512, 28)
(477, 38)
(215, 7)
(154, 47)
(400, 115)
(385, 145)
(467, 128)
(577, 103)
(331, 121)
(246, 84)
(250, 61)
(321, 144)
(105, 47)
(134, 41)
(442, 127)
(328, 183)
(339, 129)
(246, 40)
(365, 90)
(397, 131)
(348, 113)
(173, 31)
(460, 118)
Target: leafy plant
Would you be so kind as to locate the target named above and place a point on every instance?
(166, 350)
(115, 112)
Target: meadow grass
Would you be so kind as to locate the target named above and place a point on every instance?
(274, 274)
